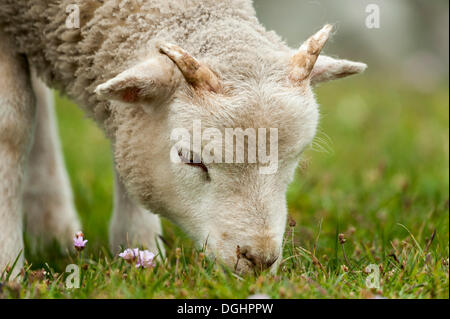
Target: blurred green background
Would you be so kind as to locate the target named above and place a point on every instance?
(381, 156)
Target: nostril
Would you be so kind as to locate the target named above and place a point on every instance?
(245, 253)
(257, 260)
(251, 258)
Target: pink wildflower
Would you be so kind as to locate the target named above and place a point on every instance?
(145, 259)
(79, 242)
(129, 255)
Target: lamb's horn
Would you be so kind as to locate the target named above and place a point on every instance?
(195, 73)
(304, 60)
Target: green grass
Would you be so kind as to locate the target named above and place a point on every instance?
(378, 173)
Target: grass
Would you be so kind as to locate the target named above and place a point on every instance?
(378, 173)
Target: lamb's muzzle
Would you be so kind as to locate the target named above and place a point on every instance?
(259, 260)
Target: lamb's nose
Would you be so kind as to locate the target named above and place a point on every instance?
(259, 260)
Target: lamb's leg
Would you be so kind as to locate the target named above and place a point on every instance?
(48, 201)
(17, 112)
(131, 225)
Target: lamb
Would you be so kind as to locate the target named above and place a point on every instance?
(142, 69)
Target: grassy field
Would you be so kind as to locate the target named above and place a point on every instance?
(378, 173)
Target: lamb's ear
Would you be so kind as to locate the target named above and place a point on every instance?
(327, 69)
(152, 81)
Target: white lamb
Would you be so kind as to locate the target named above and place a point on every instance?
(128, 67)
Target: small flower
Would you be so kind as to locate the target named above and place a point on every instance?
(342, 239)
(145, 259)
(129, 255)
(79, 242)
(344, 268)
(292, 222)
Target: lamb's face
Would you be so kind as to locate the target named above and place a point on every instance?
(233, 196)
(183, 153)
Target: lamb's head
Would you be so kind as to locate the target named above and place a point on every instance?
(215, 154)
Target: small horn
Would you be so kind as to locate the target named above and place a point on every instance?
(304, 60)
(196, 73)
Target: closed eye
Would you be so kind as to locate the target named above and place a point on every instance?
(200, 165)
(191, 159)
